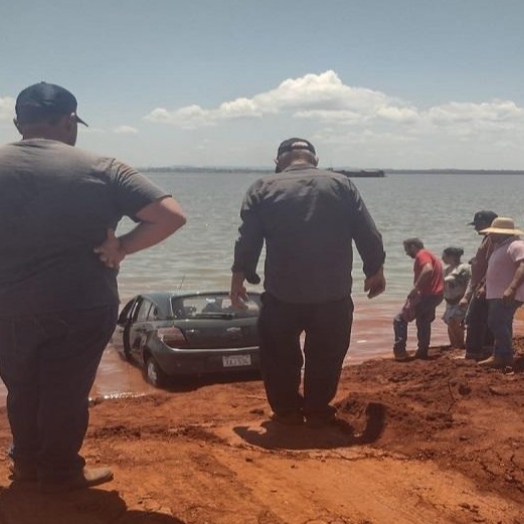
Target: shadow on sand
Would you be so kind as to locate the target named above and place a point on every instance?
(340, 433)
(191, 383)
(21, 503)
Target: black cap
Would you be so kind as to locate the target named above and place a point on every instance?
(483, 217)
(293, 144)
(42, 100)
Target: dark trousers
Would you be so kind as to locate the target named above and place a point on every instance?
(48, 364)
(500, 321)
(424, 316)
(479, 339)
(327, 328)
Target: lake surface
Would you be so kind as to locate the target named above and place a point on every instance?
(435, 208)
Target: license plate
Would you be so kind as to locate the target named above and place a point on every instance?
(236, 360)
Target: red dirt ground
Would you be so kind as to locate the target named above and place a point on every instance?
(420, 442)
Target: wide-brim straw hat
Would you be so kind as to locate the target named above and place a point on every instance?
(503, 226)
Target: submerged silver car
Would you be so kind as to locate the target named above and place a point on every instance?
(182, 333)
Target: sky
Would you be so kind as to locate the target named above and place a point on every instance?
(372, 83)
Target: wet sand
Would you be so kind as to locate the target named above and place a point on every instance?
(372, 337)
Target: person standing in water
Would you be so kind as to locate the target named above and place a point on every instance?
(456, 279)
(479, 339)
(425, 295)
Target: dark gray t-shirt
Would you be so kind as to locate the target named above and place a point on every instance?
(56, 203)
(309, 219)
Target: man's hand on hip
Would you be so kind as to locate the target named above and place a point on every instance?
(110, 251)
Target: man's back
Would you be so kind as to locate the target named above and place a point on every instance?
(435, 284)
(504, 260)
(56, 203)
(479, 264)
(309, 219)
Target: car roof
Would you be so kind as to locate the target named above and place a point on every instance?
(185, 293)
(163, 297)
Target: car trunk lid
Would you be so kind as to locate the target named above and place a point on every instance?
(209, 333)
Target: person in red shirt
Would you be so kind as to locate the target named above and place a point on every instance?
(423, 299)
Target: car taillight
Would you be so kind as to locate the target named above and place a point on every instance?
(172, 337)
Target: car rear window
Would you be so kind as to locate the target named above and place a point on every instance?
(213, 306)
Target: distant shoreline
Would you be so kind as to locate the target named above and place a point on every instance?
(196, 169)
(454, 171)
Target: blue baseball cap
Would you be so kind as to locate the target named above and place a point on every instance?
(44, 100)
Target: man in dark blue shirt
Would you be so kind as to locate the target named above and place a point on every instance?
(308, 219)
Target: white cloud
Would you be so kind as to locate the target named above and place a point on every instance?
(93, 130)
(321, 96)
(7, 109)
(368, 126)
(496, 111)
(348, 117)
(325, 100)
(125, 130)
(398, 114)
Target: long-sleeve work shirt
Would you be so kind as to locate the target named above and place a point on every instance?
(308, 218)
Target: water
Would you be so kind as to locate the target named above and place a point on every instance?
(435, 208)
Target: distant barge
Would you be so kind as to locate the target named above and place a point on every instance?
(363, 173)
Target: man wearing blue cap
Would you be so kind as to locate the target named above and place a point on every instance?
(308, 219)
(59, 208)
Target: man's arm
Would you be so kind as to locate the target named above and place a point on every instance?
(238, 292)
(375, 284)
(516, 282)
(247, 248)
(464, 301)
(157, 221)
(368, 242)
(423, 278)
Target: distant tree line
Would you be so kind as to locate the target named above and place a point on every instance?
(196, 169)
(455, 171)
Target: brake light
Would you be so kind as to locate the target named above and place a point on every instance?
(172, 337)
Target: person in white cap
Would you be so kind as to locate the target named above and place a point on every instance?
(504, 288)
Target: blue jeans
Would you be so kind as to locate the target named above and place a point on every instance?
(424, 316)
(48, 364)
(500, 322)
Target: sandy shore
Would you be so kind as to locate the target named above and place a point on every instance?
(420, 442)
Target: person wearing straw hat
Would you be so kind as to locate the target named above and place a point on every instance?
(504, 288)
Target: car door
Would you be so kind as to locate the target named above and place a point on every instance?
(138, 329)
(120, 338)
